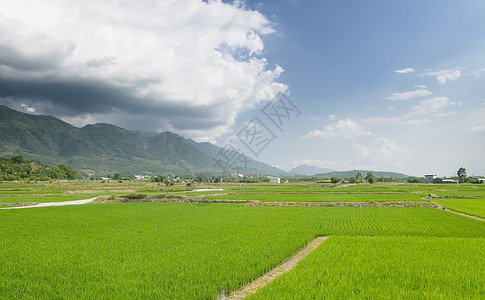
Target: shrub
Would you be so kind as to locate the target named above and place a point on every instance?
(135, 196)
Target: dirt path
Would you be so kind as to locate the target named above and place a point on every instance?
(441, 207)
(281, 269)
(462, 214)
(75, 202)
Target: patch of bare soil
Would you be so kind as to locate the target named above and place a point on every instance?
(10, 204)
(343, 185)
(279, 270)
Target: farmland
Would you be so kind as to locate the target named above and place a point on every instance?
(187, 250)
(473, 207)
(386, 267)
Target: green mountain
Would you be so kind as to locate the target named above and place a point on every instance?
(104, 148)
(348, 174)
(307, 170)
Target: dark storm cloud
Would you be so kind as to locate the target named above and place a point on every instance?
(71, 99)
(67, 98)
(134, 64)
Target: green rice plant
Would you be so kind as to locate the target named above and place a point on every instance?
(181, 250)
(473, 207)
(322, 197)
(386, 268)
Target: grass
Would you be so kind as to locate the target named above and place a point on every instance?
(180, 250)
(386, 267)
(473, 207)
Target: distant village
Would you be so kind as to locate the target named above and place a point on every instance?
(434, 179)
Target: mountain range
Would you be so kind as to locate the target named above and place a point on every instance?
(348, 174)
(104, 148)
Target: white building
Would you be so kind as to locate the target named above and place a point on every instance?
(274, 179)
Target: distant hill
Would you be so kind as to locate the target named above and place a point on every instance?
(307, 170)
(251, 165)
(348, 174)
(105, 148)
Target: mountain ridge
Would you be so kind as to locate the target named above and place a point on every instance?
(352, 173)
(103, 148)
(106, 148)
(307, 170)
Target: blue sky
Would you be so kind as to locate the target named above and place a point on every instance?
(380, 85)
(340, 60)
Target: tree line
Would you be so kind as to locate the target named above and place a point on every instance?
(20, 168)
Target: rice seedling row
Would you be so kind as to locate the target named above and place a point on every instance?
(179, 250)
(386, 267)
(473, 207)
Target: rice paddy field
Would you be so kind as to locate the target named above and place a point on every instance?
(386, 267)
(473, 207)
(205, 251)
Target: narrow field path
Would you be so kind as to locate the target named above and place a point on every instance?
(462, 214)
(64, 203)
(441, 207)
(279, 270)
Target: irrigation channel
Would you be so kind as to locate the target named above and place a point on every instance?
(64, 203)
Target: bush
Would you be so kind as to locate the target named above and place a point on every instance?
(135, 196)
(334, 180)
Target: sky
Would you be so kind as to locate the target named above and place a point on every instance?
(376, 85)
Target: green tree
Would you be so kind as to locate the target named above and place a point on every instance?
(358, 177)
(65, 172)
(370, 177)
(19, 159)
(334, 180)
(117, 176)
(461, 174)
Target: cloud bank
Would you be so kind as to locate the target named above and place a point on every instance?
(188, 66)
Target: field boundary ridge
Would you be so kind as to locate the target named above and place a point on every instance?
(463, 214)
(287, 265)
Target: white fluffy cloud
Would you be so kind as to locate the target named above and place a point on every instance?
(386, 146)
(421, 92)
(381, 147)
(155, 57)
(444, 76)
(342, 128)
(432, 105)
(405, 70)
